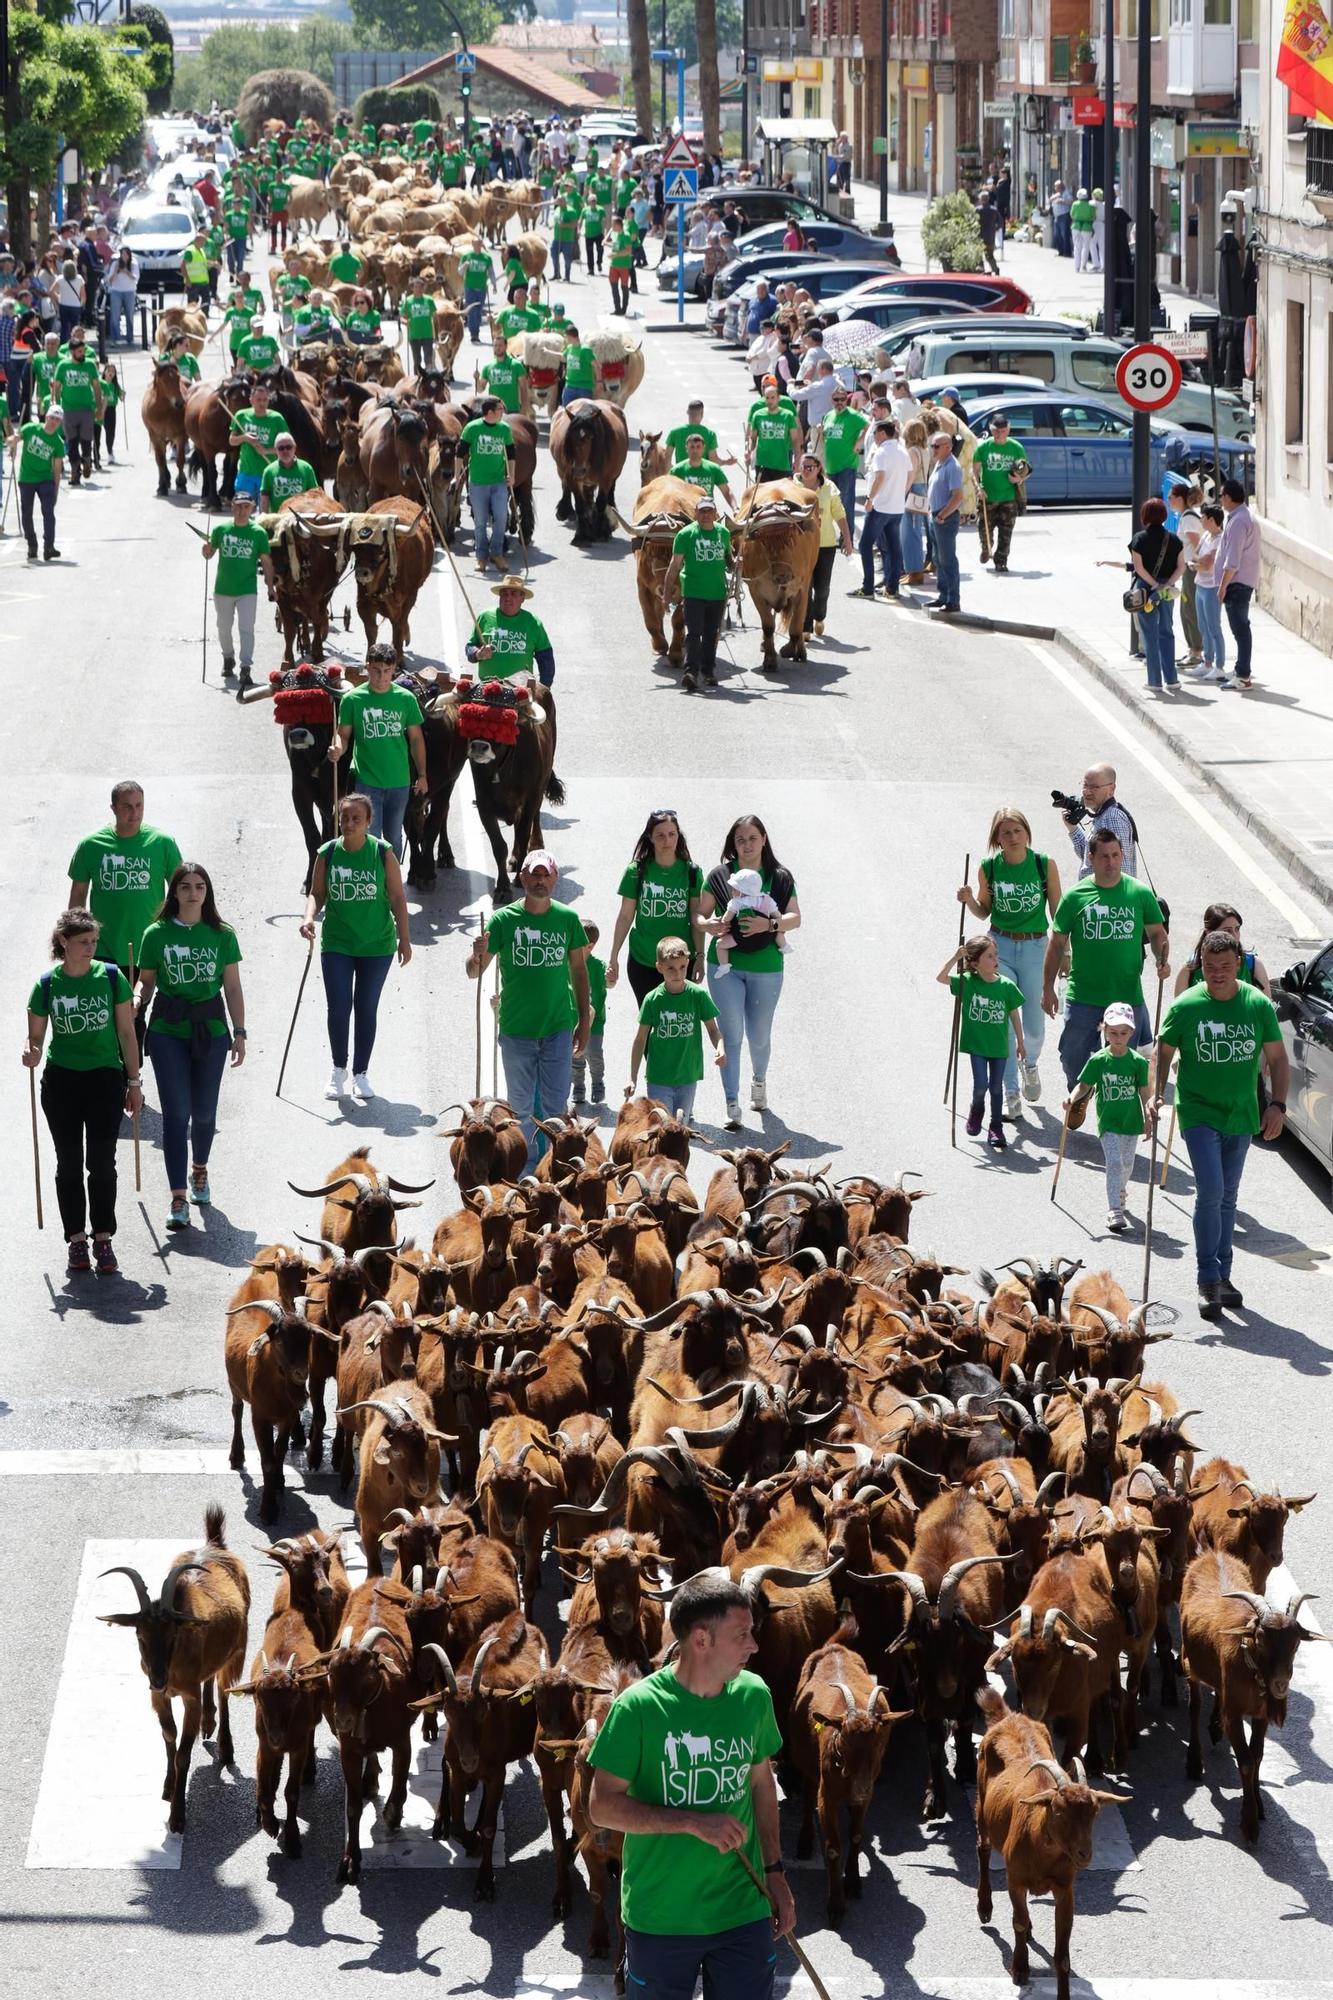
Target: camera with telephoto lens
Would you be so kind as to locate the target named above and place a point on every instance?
(1072, 808)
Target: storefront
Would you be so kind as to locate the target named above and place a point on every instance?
(917, 133)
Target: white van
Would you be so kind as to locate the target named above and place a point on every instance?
(1068, 362)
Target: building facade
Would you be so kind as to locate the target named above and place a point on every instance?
(940, 57)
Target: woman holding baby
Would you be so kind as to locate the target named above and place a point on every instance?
(748, 923)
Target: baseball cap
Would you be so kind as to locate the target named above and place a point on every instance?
(705, 500)
(1118, 1015)
(539, 858)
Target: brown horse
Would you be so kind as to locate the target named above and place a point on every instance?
(163, 412)
(589, 442)
(395, 440)
(209, 409)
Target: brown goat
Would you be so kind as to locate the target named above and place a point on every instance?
(287, 1711)
(373, 1349)
(313, 1581)
(368, 1215)
(267, 1358)
(1064, 1652)
(1235, 1517)
(635, 1247)
(643, 1128)
(400, 1462)
(367, 1677)
(840, 1727)
(488, 1145)
(518, 1483)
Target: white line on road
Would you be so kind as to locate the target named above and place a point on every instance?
(941, 1986)
(1302, 924)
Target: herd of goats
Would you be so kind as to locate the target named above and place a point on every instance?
(926, 1486)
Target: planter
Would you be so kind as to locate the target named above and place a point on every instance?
(1084, 73)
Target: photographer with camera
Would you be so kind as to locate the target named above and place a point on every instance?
(1104, 923)
(1098, 810)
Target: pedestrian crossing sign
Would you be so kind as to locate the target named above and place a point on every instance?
(683, 184)
(465, 63)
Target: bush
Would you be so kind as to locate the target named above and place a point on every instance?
(288, 94)
(397, 107)
(951, 235)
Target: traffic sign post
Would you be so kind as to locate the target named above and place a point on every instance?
(465, 63)
(681, 184)
(680, 172)
(1148, 377)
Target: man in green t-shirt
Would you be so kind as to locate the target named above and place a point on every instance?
(700, 471)
(510, 640)
(683, 1769)
(1001, 465)
(381, 724)
(518, 316)
(1105, 923)
(279, 194)
(841, 442)
(40, 452)
(506, 377)
(583, 376)
(564, 235)
(699, 574)
(345, 268)
(236, 220)
(678, 440)
(242, 549)
(259, 350)
(417, 314)
(76, 386)
(43, 371)
(672, 1021)
(545, 1009)
(478, 275)
(121, 874)
(1222, 1029)
(486, 459)
(285, 475)
(257, 429)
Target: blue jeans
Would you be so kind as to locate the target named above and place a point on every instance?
(1218, 1160)
(247, 482)
(1023, 960)
(1082, 1037)
(885, 533)
(736, 1965)
(1209, 614)
(236, 249)
(122, 314)
(947, 574)
(1237, 607)
(746, 1003)
(914, 536)
(1157, 635)
(570, 395)
(845, 484)
(352, 988)
(562, 250)
(988, 1075)
(388, 809)
(1062, 234)
(677, 1097)
(537, 1067)
(474, 305)
(18, 387)
(188, 1086)
(490, 516)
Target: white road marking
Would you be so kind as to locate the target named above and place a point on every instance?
(182, 1460)
(943, 1986)
(1302, 924)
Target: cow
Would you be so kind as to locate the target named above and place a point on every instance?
(777, 525)
(428, 817)
(163, 412)
(309, 202)
(664, 506)
(449, 324)
(308, 539)
(192, 321)
(392, 562)
(589, 442)
(510, 782)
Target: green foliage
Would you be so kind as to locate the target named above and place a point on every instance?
(682, 33)
(232, 55)
(425, 24)
(151, 30)
(397, 107)
(951, 235)
(73, 83)
(288, 94)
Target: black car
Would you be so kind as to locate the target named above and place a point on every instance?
(1303, 998)
(755, 205)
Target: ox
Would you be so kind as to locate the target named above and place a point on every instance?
(393, 551)
(663, 507)
(163, 412)
(308, 540)
(778, 531)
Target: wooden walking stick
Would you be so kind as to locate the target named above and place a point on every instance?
(36, 1156)
(1170, 1142)
(792, 1940)
(134, 1116)
(300, 994)
(481, 935)
(1060, 1156)
(950, 1075)
(1152, 1158)
(203, 675)
(495, 1033)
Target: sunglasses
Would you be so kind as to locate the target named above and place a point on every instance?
(660, 813)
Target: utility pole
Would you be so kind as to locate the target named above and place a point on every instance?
(1145, 241)
(1108, 168)
(883, 228)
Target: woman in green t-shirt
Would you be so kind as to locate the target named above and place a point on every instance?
(91, 1079)
(190, 960)
(1016, 888)
(748, 996)
(358, 885)
(659, 897)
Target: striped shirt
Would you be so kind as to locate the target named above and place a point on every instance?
(1238, 550)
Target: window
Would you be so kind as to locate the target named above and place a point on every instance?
(1245, 26)
(1217, 13)
(1319, 158)
(1088, 420)
(1006, 21)
(1092, 370)
(1025, 420)
(1319, 982)
(1295, 387)
(1036, 361)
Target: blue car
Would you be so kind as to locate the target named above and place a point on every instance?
(1082, 451)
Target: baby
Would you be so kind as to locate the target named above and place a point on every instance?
(747, 893)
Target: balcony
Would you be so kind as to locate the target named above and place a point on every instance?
(1201, 48)
(1319, 161)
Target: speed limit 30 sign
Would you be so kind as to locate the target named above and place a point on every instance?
(1148, 377)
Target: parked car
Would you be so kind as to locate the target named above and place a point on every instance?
(1303, 997)
(1082, 451)
(830, 239)
(1075, 361)
(983, 294)
(825, 281)
(158, 234)
(757, 205)
(977, 389)
(891, 313)
(899, 339)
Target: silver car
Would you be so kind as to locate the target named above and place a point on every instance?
(1303, 998)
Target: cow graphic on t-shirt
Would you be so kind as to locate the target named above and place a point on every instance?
(124, 874)
(1103, 923)
(658, 899)
(79, 1013)
(674, 1024)
(986, 1009)
(705, 1770)
(350, 885)
(1225, 1041)
(189, 964)
(536, 947)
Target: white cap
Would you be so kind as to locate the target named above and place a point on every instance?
(1118, 1015)
(538, 857)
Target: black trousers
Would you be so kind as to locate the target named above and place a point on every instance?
(83, 1108)
(816, 605)
(703, 624)
(643, 978)
(42, 492)
(592, 248)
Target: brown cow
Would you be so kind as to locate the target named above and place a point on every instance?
(392, 563)
(189, 320)
(163, 412)
(589, 441)
(777, 525)
(309, 551)
(663, 507)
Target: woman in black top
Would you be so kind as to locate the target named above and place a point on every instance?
(1157, 559)
(748, 991)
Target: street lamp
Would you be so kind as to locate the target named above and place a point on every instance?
(883, 226)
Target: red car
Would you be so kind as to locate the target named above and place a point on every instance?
(972, 292)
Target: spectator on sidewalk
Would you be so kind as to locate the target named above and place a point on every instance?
(1157, 561)
(1098, 230)
(1205, 597)
(1002, 196)
(945, 494)
(1082, 219)
(842, 153)
(1062, 235)
(1189, 526)
(1102, 810)
(1236, 567)
(990, 225)
(889, 473)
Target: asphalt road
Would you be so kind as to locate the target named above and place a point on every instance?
(876, 768)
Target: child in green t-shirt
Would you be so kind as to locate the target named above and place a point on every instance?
(1117, 1076)
(671, 1021)
(989, 1006)
(597, 999)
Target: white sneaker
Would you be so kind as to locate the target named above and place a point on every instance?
(734, 1120)
(337, 1083)
(1226, 680)
(362, 1088)
(1031, 1082)
(758, 1096)
(1117, 1221)
(1013, 1105)
(1206, 673)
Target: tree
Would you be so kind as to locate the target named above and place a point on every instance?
(685, 28)
(710, 84)
(153, 33)
(231, 56)
(288, 94)
(425, 24)
(640, 63)
(397, 107)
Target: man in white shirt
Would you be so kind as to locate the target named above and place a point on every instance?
(814, 399)
(889, 474)
(904, 403)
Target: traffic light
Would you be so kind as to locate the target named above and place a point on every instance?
(465, 86)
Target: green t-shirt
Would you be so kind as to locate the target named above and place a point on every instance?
(1082, 215)
(43, 370)
(1017, 895)
(238, 222)
(422, 131)
(451, 170)
(379, 724)
(419, 313)
(594, 220)
(477, 270)
(111, 394)
(82, 1015)
(1105, 931)
(518, 319)
(775, 437)
(705, 551)
(189, 960)
(983, 1028)
(78, 383)
(596, 993)
(358, 918)
(488, 448)
(515, 643)
(663, 906)
(127, 879)
(187, 365)
(674, 1748)
(239, 550)
(248, 424)
(567, 219)
(278, 482)
(536, 992)
(675, 1054)
(622, 251)
(993, 460)
(1220, 1044)
(580, 368)
(363, 326)
(708, 474)
(345, 267)
(259, 352)
(291, 285)
(841, 429)
(213, 242)
(1116, 1082)
(279, 195)
(503, 379)
(759, 408)
(38, 451)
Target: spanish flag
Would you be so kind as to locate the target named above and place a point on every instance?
(1305, 61)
